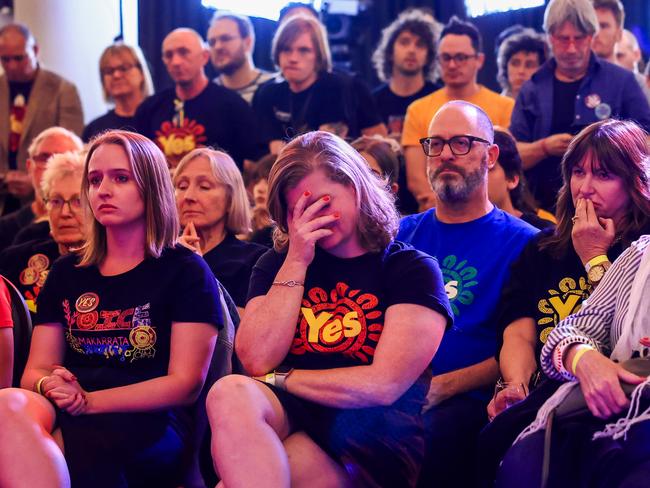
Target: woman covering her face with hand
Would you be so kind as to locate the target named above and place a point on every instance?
(213, 207)
(123, 338)
(602, 208)
(340, 328)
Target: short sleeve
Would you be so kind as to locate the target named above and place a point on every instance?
(269, 128)
(415, 277)
(515, 300)
(196, 296)
(412, 132)
(5, 306)
(49, 308)
(264, 273)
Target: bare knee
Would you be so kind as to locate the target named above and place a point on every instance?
(20, 407)
(233, 396)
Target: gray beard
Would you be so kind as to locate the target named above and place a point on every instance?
(454, 191)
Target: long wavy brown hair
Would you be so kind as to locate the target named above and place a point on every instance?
(619, 147)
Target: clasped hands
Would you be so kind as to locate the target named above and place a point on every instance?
(62, 388)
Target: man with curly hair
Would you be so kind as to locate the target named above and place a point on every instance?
(405, 62)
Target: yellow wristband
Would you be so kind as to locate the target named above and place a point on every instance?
(580, 351)
(596, 260)
(39, 385)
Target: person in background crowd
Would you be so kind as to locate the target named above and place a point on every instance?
(573, 89)
(27, 265)
(520, 55)
(33, 99)
(196, 112)
(231, 38)
(361, 112)
(126, 82)
(405, 61)
(507, 185)
(331, 311)
(32, 218)
(383, 158)
(308, 96)
(475, 244)
(611, 18)
(602, 207)
(460, 55)
(6, 337)
(123, 339)
(259, 189)
(213, 207)
(628, 52)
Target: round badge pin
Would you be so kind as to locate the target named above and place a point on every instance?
(29, 276)
(603, 111)
(592, 101)
(39, 262)
(87, 302)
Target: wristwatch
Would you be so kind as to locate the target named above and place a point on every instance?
(278, 377)
(596, 269)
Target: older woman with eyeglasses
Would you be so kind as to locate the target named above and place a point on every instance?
(126, 82)
(27, 265)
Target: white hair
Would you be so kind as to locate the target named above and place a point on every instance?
(580, 13)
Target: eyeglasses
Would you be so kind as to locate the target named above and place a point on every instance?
(459, 145)
(41, 158)
(122, 69)
(18, 58)
(57, 203)
(458, 58)
(566, 41)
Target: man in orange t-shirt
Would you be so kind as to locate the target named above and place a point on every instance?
(460, 56)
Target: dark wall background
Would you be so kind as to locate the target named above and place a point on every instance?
(158, 17)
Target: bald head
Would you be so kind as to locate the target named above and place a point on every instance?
(18, 51)
(466, 118)
(185, 55)
(627, 51)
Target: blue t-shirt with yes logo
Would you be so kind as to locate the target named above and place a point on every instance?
(475, 259)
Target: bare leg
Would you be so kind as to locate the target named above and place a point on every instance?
(248, 425)
(311, 466)
(29, 454)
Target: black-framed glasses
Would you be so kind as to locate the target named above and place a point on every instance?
(57, 203)
(458, 58)
(459, 145)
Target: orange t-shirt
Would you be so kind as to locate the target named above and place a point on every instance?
(420, 112)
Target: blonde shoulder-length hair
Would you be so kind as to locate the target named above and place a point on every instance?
(226, 172)
(378, 218)
(151, 175)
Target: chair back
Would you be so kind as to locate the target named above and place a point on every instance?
(220, 365)
(22, 330)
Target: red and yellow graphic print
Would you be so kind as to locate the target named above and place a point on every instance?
(178, 137)
(343, 321)
(122, 334)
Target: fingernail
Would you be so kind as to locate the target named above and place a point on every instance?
(307, 193)
(326, 198)
(336, 215)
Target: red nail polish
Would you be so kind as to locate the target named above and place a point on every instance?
(307, 193)
(337, 215)
(326, 198)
